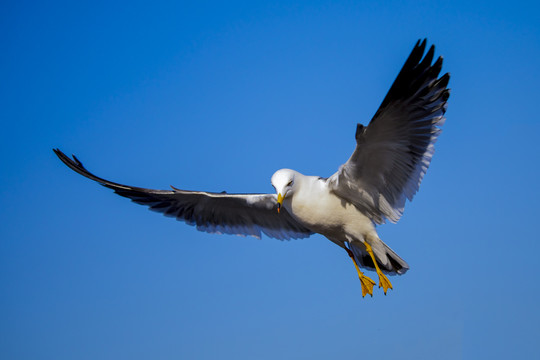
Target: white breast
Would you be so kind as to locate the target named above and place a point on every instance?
(313, 205)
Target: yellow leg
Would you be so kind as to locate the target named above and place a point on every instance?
(383, 280)
(367, 283)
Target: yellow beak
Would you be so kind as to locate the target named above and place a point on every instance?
(279, 202)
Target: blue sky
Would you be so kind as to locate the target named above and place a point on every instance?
(217, 96)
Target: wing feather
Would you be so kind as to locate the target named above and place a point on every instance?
(393, 153)
(239, 214)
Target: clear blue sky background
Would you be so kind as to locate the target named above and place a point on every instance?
(217, 96)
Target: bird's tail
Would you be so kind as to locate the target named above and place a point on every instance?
(389, 262)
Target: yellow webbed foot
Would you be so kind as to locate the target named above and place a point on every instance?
(384, 282)
(367, 285)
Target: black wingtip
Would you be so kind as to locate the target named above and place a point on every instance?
(77, 166)
(446, 95)
(443, 81)
(77, 160)
(68, 161)
(359, 131)
(422, 46)
(428, 58)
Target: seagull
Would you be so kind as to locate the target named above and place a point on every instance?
(390, 159)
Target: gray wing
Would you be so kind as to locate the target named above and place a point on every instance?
(394, 151)
(240, 214)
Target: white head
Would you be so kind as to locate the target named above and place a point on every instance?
(283, 182)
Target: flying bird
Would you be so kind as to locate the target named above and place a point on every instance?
(391, 156)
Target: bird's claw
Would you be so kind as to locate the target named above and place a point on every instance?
(384, 282)
(367, 285)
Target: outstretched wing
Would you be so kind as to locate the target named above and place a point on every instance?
(240, 214)
(393, 153)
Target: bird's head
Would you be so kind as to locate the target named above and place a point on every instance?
(283, 182)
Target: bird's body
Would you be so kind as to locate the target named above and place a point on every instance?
(312, 203)
(314, 206)
(386, 168)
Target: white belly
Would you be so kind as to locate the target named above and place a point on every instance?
(323, 212)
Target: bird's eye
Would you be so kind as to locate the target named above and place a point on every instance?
(290, 183)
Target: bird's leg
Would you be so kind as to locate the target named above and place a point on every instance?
(383, 280)
(367, 283)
